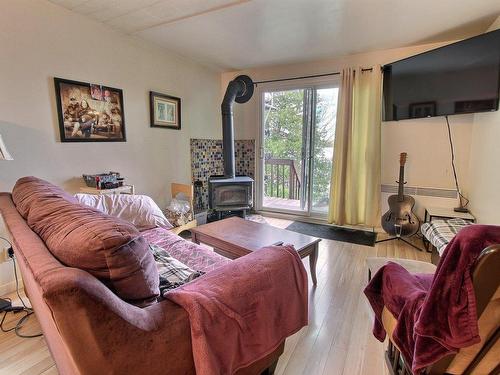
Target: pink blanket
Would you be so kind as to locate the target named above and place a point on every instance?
(436, 315)
(197, 257)
(242, 311)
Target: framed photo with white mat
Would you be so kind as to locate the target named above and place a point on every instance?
(165, 111)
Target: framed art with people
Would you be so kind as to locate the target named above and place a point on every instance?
(89, 112)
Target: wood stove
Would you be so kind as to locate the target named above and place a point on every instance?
(231, 192)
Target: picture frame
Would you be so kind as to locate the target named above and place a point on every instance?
(165, 111)
(89, 112)
(422, 110)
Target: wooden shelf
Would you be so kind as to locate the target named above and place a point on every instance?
(125, 189)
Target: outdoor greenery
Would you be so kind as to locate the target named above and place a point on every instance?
(284, 140)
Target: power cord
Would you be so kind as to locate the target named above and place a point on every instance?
(460, 195)
(16, 309)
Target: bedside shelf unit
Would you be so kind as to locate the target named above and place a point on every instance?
(446, 213)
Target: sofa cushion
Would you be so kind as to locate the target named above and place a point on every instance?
(79, 236)
(140, 210)
(31, 189)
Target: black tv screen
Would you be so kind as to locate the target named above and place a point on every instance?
(462, 77)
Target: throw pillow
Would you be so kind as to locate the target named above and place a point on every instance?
(140, 210)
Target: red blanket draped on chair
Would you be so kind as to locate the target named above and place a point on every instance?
(436, 314)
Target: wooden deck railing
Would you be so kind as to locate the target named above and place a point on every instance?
(281, 179)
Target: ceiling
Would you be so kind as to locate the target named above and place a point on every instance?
(239, 34)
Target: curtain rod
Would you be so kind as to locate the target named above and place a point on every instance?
(303, 77)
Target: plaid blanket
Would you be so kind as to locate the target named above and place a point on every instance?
(173, 273)
(440, 232)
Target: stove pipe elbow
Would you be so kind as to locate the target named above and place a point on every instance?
(240, 90)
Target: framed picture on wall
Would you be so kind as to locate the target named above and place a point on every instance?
(420, 110)
(165, 111)
(89, 112)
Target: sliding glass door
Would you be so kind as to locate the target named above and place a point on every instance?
(297, 134)
(322, 147)
(284, 153)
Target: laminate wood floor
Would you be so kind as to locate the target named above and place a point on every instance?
(338, 339)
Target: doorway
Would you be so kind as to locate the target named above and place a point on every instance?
(296, 149)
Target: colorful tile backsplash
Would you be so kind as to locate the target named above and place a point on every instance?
(207, 160)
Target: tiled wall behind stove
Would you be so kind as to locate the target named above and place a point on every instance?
(207, 160)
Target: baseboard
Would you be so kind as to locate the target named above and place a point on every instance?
(315, 220)
(429, 196)
(7, 280)
(292, 217)
(7, 288)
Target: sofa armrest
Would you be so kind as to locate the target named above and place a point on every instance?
(104, 334)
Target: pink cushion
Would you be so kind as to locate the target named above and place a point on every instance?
(82, 237)
(30, 189)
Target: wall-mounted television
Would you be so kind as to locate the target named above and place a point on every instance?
(462, 77)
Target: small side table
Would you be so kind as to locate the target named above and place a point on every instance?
(442, 213)
(125, 189)
(446, 213)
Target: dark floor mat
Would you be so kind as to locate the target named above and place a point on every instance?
(360, 237)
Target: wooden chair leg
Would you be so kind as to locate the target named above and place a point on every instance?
(395, 363)
(389, 358)
(270, 370)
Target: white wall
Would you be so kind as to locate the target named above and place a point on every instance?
(485, 164)
(39, 41)
(425, 140)
(485, 168)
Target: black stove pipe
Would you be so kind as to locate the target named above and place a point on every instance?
(240, 90)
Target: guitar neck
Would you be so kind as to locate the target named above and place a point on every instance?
(401, 182)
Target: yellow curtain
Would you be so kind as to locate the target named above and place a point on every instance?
(355, 185)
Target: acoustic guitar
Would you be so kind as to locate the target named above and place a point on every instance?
(400, 219)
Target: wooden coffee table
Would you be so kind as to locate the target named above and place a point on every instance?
(234, 237)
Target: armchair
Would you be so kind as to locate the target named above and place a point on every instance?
(416, 348)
